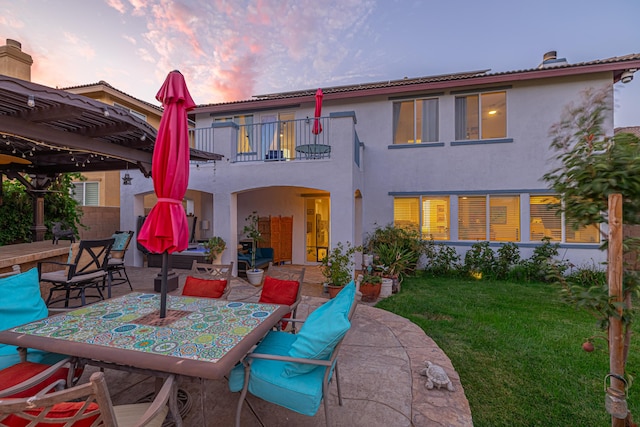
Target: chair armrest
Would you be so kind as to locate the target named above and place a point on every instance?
(159, 402)
(37, 379)
(279, 358)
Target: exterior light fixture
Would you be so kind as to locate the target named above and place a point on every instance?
(105, 112)
(627, 76)
(126, 179)
(31, 102)
(143, 137)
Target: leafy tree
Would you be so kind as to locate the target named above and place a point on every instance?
(591, 166)
(16, 210)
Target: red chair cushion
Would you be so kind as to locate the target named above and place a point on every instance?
(59, 410)
(206, 288)
(276, 291)
(15, 374)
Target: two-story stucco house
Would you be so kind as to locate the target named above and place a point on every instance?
(460, 156)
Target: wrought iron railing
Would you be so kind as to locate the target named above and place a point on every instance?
(270, 141)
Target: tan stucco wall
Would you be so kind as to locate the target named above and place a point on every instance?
(101, 221)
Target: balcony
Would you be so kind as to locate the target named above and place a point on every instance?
(278, 141)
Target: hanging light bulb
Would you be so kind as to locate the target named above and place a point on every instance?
(31, 102)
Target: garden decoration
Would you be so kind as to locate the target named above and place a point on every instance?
(436, 377)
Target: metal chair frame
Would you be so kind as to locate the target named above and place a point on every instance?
(88, 270)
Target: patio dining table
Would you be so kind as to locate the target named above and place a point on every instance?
(199, 337)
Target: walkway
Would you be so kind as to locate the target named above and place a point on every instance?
(380, 364)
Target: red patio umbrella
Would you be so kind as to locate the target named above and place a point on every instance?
(166, 230)
(317, 126)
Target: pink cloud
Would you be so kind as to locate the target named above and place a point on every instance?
(117, 5)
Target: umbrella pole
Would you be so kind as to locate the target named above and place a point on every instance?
(163, 284)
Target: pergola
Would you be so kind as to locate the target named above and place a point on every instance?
(46, 131)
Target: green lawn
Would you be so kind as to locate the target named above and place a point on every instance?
(517, 348)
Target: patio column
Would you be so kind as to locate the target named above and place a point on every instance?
(225, 225)
(38, 229)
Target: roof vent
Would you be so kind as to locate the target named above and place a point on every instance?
(550, 59)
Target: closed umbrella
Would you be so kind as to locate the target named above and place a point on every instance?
(166, 230)
(317, 126)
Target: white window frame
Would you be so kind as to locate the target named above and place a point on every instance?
(460, 115)
(82, 200)
(430, 131)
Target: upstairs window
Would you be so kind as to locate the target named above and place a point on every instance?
(482, 116)
(415, 121)
(246, 138)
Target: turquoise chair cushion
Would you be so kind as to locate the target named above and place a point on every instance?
(120, 241)
(302, 393)
(322, 331)
(21, 303)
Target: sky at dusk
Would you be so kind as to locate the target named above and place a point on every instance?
(230, 50)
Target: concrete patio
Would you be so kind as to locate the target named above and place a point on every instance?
(380, 364)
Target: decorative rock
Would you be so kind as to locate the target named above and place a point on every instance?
(436, 376)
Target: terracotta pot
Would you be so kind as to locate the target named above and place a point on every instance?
(333, 290)
(370, 292)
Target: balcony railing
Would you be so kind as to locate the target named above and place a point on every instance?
(270, 141)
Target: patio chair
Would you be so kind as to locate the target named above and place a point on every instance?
(208, 280)
(86, 404)
(116, 260)
(24, 370)
(295, 370)
(88, 270)
(59, 230)
(283, 285)
(26, 378)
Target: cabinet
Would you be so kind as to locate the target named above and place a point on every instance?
(277, 233)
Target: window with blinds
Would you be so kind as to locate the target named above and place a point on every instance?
(406, 212)
(472, 218)
(544, 219)
(588, 234)
(504, 218)
(86, 193)
(435, 218)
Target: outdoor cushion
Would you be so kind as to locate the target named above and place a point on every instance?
(277, 291)
(59, 410)
(120, 241)
(205, 288)
(14, 375)
(322, 331)
(22, 303)
(302, 393)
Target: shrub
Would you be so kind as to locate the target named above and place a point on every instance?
(398, 250)
(508, 257)
(441, 259)
(480, 259)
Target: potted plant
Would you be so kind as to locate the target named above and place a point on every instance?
(370, 286)
(214, 247)
(251, 231)
(396, 251)
(337, 267)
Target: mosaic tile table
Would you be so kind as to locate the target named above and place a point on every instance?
(200, 337)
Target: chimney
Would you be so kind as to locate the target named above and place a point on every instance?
(14, 62)
(550, 59)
